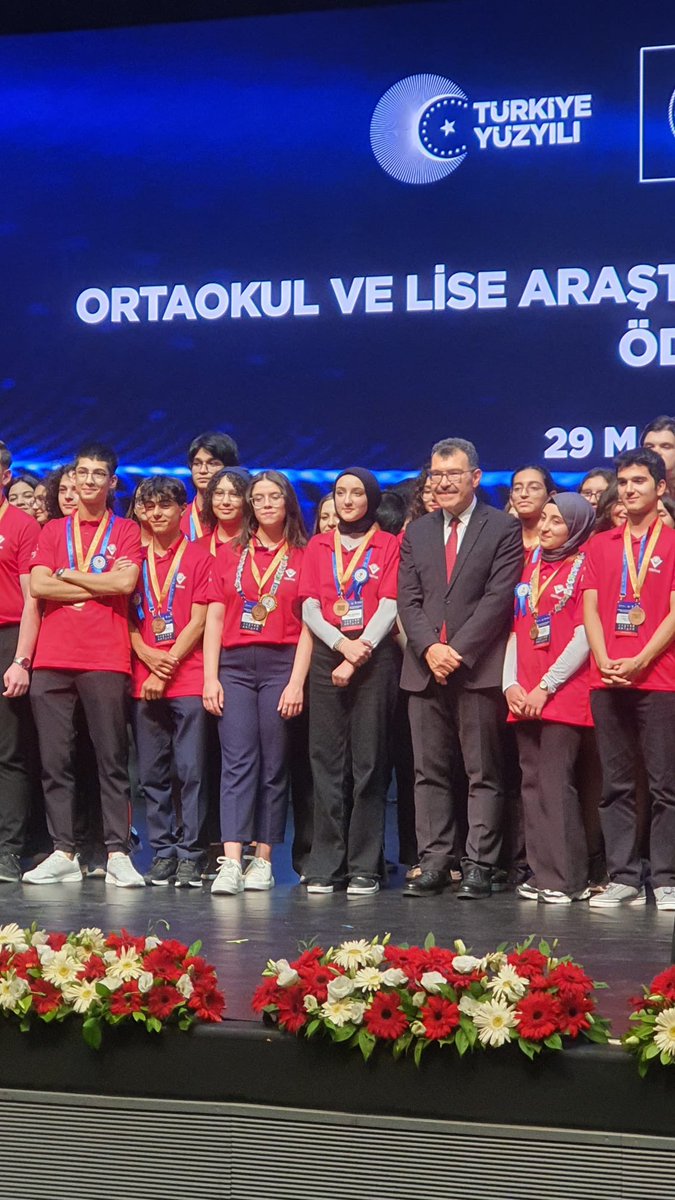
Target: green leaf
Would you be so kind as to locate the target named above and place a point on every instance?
(429, 941)
(311, 1029)
(643, 1067)
(366, 1042)
(526, 1047)
(138, 1016)
(401, 1044)
(545, 948)
(595, 1034)
(420, 1047)
(554, 1042)
(153, 1025)
(91, 1032)
(666, 1059)
(194, 949)
(343, 1033)
(185, 1023)
(461, 1041)
(651, 1051)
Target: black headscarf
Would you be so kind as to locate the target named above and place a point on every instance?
(579, 517)
(373, 495)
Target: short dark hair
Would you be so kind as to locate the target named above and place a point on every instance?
(549, 481)
(603, 472)
(239, 479)
(219, 445)
(294, 530)
(101, 452)
(391, 512)
(317, 511)
(603, 513)
(642, 458)
(24, 477)
(658, 425)
(454, 445)
(52, 484)
(5, 457)
(162, 487)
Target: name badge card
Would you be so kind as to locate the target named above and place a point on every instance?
(353, 619)
(163, 628)
(248, 622)
(543, 638)
(624, 625)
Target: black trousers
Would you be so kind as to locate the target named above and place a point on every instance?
(173, 731)
(554, 827)
(104, 699)
(448, 723)
(18, 754)
(351, 728)
(627, 721)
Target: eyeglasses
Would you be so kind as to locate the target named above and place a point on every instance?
(519, 488)
(451, 476)
(274, 498)
(219, 494)
(98, 476)
(593, 495)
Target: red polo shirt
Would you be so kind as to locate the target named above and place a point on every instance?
(318, 578)
(604, 563)
(284, 625)
(192, 580)
(186, 523)
(92, 635)
(19, 533)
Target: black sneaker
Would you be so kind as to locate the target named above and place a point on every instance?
(10, 870)
(189, 873)
(162, 871)
(363, 885)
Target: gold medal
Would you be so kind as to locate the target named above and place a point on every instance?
(637, 615)
(269, 603)
(534, 632)
(158, 625)
(341, 607)
(259, 613)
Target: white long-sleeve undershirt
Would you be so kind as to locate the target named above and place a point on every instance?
(379, 625)
(566, 664)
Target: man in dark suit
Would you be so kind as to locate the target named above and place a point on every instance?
(459, 568)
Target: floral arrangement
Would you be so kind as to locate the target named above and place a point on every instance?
(412, 997)
(107, 980)
(651, 1034)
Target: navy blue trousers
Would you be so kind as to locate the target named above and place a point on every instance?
(173, 731)
(254, 744)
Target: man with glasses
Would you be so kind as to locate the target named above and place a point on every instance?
(459, 567)
(208, 453)
(85, 567)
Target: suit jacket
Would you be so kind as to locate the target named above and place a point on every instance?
(477, 604)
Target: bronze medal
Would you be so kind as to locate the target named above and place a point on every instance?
(534, 631)
(268, 602)
(637, 615)
(259, 613)
(158, 625)
(341, 607)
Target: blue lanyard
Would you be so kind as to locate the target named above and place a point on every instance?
(354, 588)
(624, 569)
(194, 532)
(148, 591)
(101, 550)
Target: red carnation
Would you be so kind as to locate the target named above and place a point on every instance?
(127, 999)
(162, 962)
(94, 968)
(439, 1017)
(438, 959)
(23, 963)
(568, 976)
(56, 941)
(46, 997)
(385, 1017)
(292, 1014)
(573, 1011)
(308, 957)
(537, 1016)
(207, 1003)
(663, 985)
(528, 963)
(162, 999)
(315, 979)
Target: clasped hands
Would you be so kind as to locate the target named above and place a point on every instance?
(354, 655)
(442, 660)
(621, 672)
(162, 665)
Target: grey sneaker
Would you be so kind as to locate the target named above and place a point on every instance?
(551, 897)
(229, 881)
(189, 873)
(258, 876)
(122, 873)
(665, 898)
(58, 868)
(527, 891)
(10, 869)
(615, 895)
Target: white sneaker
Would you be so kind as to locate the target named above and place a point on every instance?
(122, 872)
(551, 897)
(527, 891)
(58, 868)
(615, 895)
(258, 876)
(665, 898)
(229, 880)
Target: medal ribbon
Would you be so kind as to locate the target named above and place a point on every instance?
(196, 530)
(169, 587)
(282, 552)
(74, 534)
(275, 582)
(536, 592)
(343, 576)
(212, 544)
(3, 508)
(637, 577)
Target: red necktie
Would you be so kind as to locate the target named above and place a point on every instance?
(450, 560)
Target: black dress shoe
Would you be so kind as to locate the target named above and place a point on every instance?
(427, 883)
(476, 881)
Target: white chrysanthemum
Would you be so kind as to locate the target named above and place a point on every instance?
(145, 981)
(310, 1003)
(184, 985)
(13, 937)
(352, 955)
(394, 977)
(91, 939)
(338, 1011)
(508, 984)
(81, 994)
(493, 961)
(286, 975)
(369, 979)
(61, 968)
(664, 1031)
(432, 981)
(493, 1020)
(123, 964)
(340, 987)
(468, 1005)
(466, 963)
(11, 990)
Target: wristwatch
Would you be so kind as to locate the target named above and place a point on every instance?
(546, 687)
(60, 573)
(22, 662)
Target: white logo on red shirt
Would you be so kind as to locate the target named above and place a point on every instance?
(291, 573)
(374, 568)
(2, 541)
(559, 589)
(180, 579)
(111, 550)
(656, 562)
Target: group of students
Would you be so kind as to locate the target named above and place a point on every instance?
(410, 631)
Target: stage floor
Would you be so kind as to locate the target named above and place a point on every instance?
(239, 933)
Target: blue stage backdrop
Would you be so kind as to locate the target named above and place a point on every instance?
(341, 235)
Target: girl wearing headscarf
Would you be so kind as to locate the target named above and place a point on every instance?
(348, 586)
(546, 684)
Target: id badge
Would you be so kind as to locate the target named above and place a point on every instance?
(623, 624)
(167, 634)
(354, 618)
(543, 638)
(248, 624)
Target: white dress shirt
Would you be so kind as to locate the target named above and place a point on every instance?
(462, 522)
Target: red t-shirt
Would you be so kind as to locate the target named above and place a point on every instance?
(205, 544)
(187, 526)
(603, 572)
(19, 533)
(318, 578)
(570, 704)
(192, 580)
(283, 626)
(93, 635)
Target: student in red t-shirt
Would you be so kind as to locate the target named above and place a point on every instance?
(546, 684)
(223, 511)
(629, 614)
(85, 568)
(19, 624)
(348, 588)
(168, 613)
(207, 454)
(256, 657)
